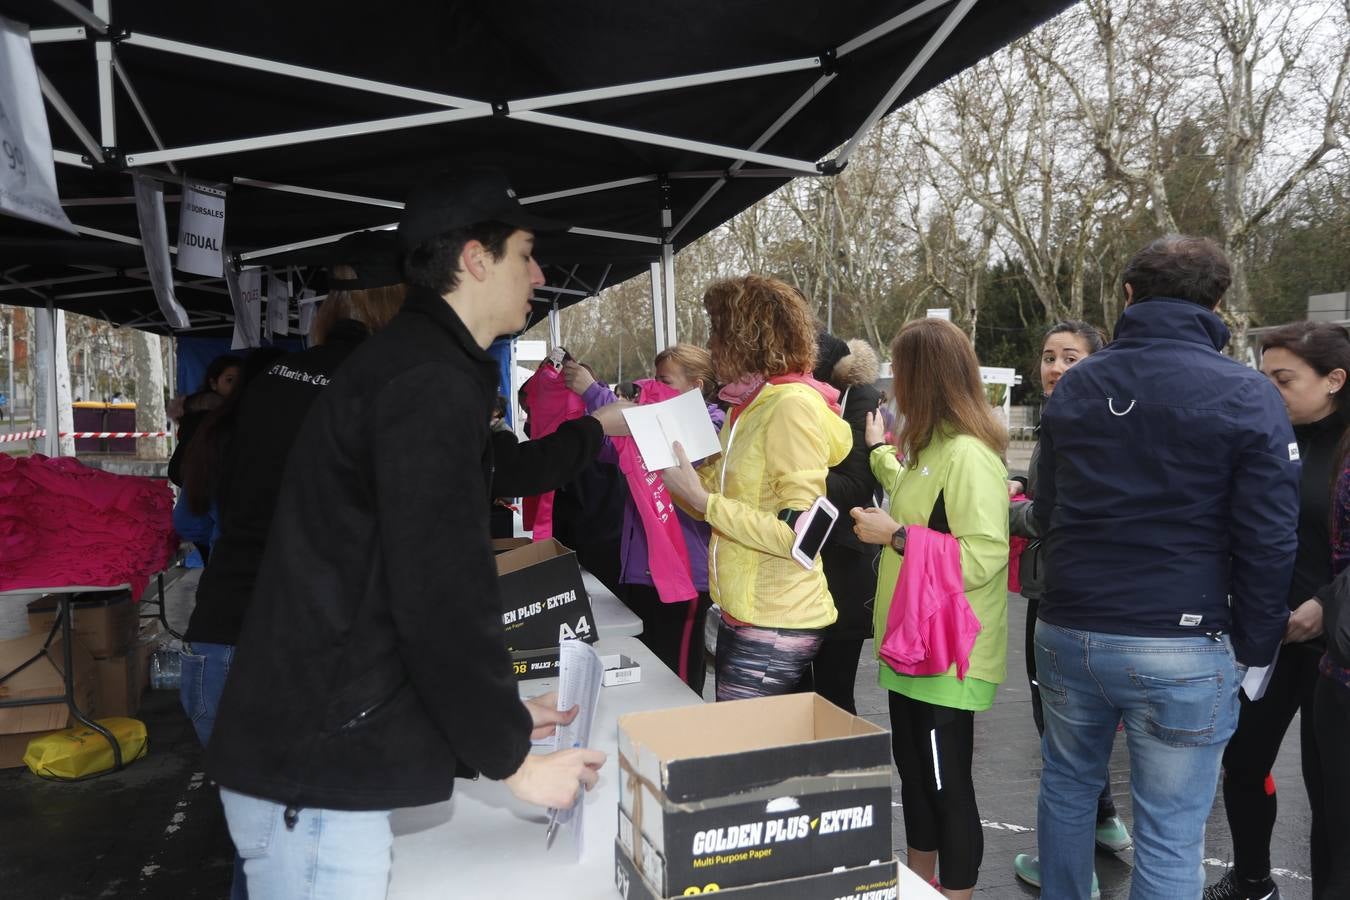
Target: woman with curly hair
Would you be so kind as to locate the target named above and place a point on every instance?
(781, 436)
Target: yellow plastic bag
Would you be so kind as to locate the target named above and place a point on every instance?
(81, 752)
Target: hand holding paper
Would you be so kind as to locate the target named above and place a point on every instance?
(682, 480)
(657, 426)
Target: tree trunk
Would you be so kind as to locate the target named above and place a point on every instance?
(150, 415)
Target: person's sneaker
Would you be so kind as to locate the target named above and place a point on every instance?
(1112, 835)
(1028, 869)
(1231, 887)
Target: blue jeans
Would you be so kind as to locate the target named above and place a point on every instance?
(1178, 698)
(327, 855)
(205, 667)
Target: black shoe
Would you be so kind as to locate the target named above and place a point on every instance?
(1231, 887)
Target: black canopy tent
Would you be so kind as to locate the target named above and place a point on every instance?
(645, 124)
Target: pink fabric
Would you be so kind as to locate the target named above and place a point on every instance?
(551, 403)
(63, 523)
(1015, 547)
(667, 555)
(930, 624)
(742, 393)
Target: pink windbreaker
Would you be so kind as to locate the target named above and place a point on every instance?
(930, 624)
(551, 403)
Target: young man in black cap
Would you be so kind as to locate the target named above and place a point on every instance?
(372, 666)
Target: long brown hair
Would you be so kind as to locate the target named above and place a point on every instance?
(937, 382)
(759, 326)
(373, 307)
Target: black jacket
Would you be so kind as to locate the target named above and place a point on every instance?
(372, 662)
(1168, 480)
(270, 414)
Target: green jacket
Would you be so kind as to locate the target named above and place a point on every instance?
(974, 485)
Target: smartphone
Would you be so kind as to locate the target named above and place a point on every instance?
(813, 528)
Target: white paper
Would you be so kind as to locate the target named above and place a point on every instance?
(246, 299)
(201, 230)
(657, 426)
(1255, 682)
(308, 304)
(27, 171)
(278, 306)
(155, 244)
(580, 673)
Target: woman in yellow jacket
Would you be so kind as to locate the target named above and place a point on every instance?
(781, 436)
(952, 479)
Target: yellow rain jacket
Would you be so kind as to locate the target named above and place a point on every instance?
(775, 456)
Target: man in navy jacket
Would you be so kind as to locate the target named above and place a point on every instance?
(1168, 493)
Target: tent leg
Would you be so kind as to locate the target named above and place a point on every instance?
(668, 292)
(658, 308)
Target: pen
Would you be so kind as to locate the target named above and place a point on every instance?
(552, 827)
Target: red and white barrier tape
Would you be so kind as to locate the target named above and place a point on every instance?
(42, 432)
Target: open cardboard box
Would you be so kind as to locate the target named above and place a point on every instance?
(752, 791)
(544, 601)
(879, 881)
(19, 725)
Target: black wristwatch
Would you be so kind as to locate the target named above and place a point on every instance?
(898, 540)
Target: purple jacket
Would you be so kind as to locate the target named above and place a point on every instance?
(633, 568)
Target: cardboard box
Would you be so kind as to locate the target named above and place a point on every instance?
(119, 683)
(879, 881)
(41, 679)
(544, 601)
(105, 623)
(752, 791)
(619, 669)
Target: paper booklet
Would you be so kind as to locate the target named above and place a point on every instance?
(657, 426)
(580, 673)
(1257, 679)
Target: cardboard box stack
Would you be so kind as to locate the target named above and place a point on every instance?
(543, 602)
(108, 626)
(779, 797)
(43, 678)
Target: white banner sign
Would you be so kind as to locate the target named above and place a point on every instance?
(155, 243)
(246, 298)
(278, 306)
(27, 172)
(201, 230)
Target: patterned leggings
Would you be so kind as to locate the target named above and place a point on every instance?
(762, 662)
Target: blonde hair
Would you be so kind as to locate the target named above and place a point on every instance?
(695, 361)
(759, 326)
(373, 307)
(937, 382)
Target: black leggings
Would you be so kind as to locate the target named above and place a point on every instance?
(834, 671)
(1250, 755)
(672, 631)
(933, 748)
(1332, 714)
(1106, 806)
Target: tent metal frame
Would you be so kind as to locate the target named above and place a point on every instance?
(97, 26)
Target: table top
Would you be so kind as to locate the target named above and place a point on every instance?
(485, 843)
(612, 617)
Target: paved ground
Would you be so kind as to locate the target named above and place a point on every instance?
(156, 829)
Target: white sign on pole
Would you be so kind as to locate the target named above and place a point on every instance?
(27, 172)
(155, 243)
(246, 299)
(201, 230)
(278, 306)
(943, 313)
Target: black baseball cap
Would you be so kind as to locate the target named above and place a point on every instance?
(372, 255)
(457, 201)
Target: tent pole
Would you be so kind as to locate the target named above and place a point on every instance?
(658, 308)
(103, 52)
(668, 293)
(51, 443)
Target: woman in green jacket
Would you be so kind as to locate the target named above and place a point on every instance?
(945, 471)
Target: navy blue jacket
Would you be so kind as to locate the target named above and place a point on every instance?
(1168, 480)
